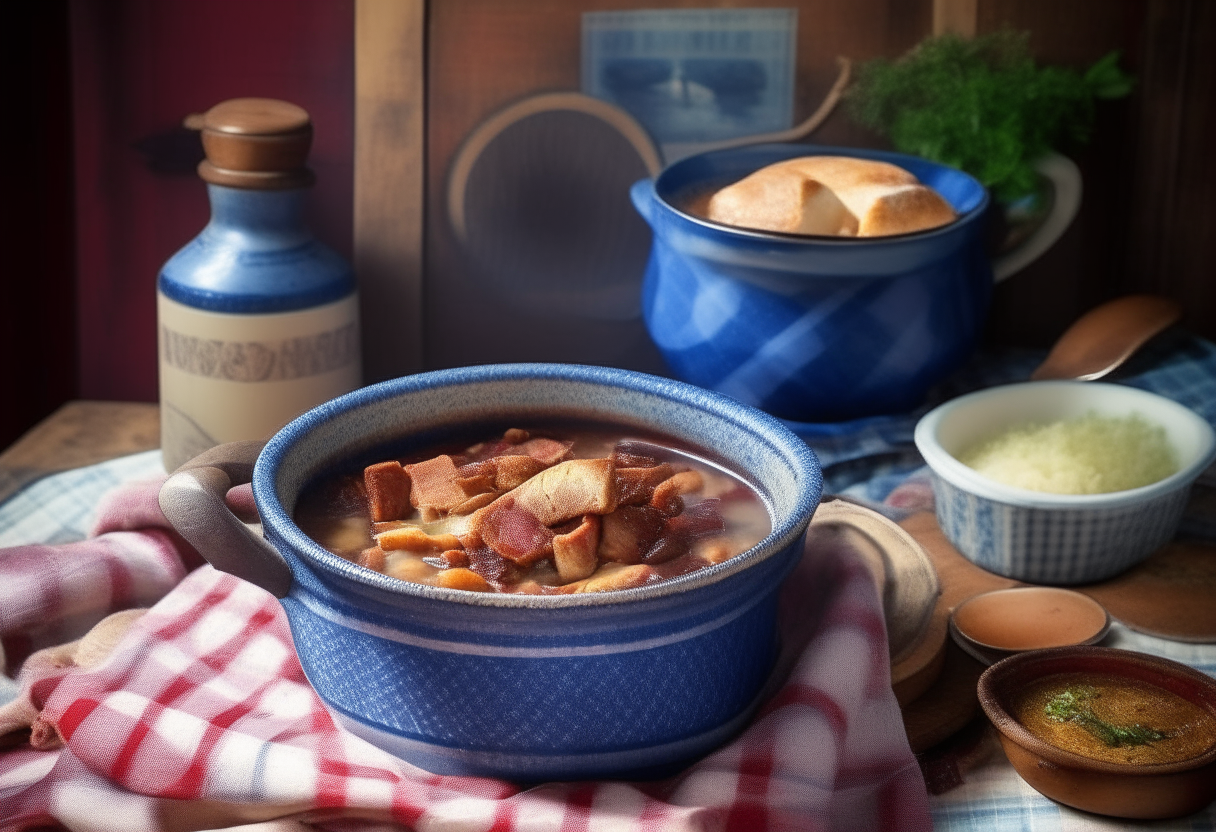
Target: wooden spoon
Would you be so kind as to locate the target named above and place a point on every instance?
(1104, 338)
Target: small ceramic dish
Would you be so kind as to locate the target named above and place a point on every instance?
(993, 625)
(1056, 539)
(1127, 789)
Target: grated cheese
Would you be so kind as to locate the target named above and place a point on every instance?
(1090, 454)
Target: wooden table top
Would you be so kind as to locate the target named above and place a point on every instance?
(78, 433)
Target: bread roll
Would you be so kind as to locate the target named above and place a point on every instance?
(831, 195)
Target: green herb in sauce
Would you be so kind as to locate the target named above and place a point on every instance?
(1072, 705)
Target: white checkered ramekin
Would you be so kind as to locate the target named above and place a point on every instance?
(1046, 538)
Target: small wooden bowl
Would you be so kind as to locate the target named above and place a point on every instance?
(1119, 790)
(996, 624)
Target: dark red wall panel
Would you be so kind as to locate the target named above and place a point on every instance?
(139, 67)
(37, 275)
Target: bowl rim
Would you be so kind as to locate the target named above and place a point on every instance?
(989, 690)
(948, 467)
(274, 514)
(961, 218)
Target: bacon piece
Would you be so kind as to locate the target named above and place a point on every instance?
(628, 533)
(679, 532)
(699, 520)
(373, 558)
(492, 566)
(548, 451)
(669, 506)
(567, 490)
(634, 486)
(388, 491)
(449, 559)
(630, 453)
(437, 485)
(434, 484)
(513, 471)
(668, 495)
(414, 539)
(574, 553)
(668, 547)
(480, 484)
(473, 503)
(515, 533)
(684, 482)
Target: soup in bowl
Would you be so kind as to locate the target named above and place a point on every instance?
(507, 667)
(527, 512)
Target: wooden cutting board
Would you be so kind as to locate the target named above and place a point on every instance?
(948, 705)
(950, 701)
(1172, 595)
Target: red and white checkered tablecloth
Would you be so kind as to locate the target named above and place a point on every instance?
(200, 717)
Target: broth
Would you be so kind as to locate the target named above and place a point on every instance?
(1115, 719)
(577, 510)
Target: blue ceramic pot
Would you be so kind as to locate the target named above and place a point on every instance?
(812, 329)
(630, 683)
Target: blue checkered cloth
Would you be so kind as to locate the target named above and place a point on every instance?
(867, 458)
(61, 508)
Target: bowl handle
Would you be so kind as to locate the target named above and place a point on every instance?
(1065, 179)
(193, 502)
(643, 196)
(908, 583)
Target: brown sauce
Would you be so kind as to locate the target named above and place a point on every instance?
(1188, 729)
(659, 513)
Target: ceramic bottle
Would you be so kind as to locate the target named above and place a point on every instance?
(257, 320)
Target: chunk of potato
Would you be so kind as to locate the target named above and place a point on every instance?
(461, 578)
(574, 553)
(612, 576)
(414, 539)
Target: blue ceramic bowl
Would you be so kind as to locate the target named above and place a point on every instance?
(1057, 539)
(631, 683)
(812, 329)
